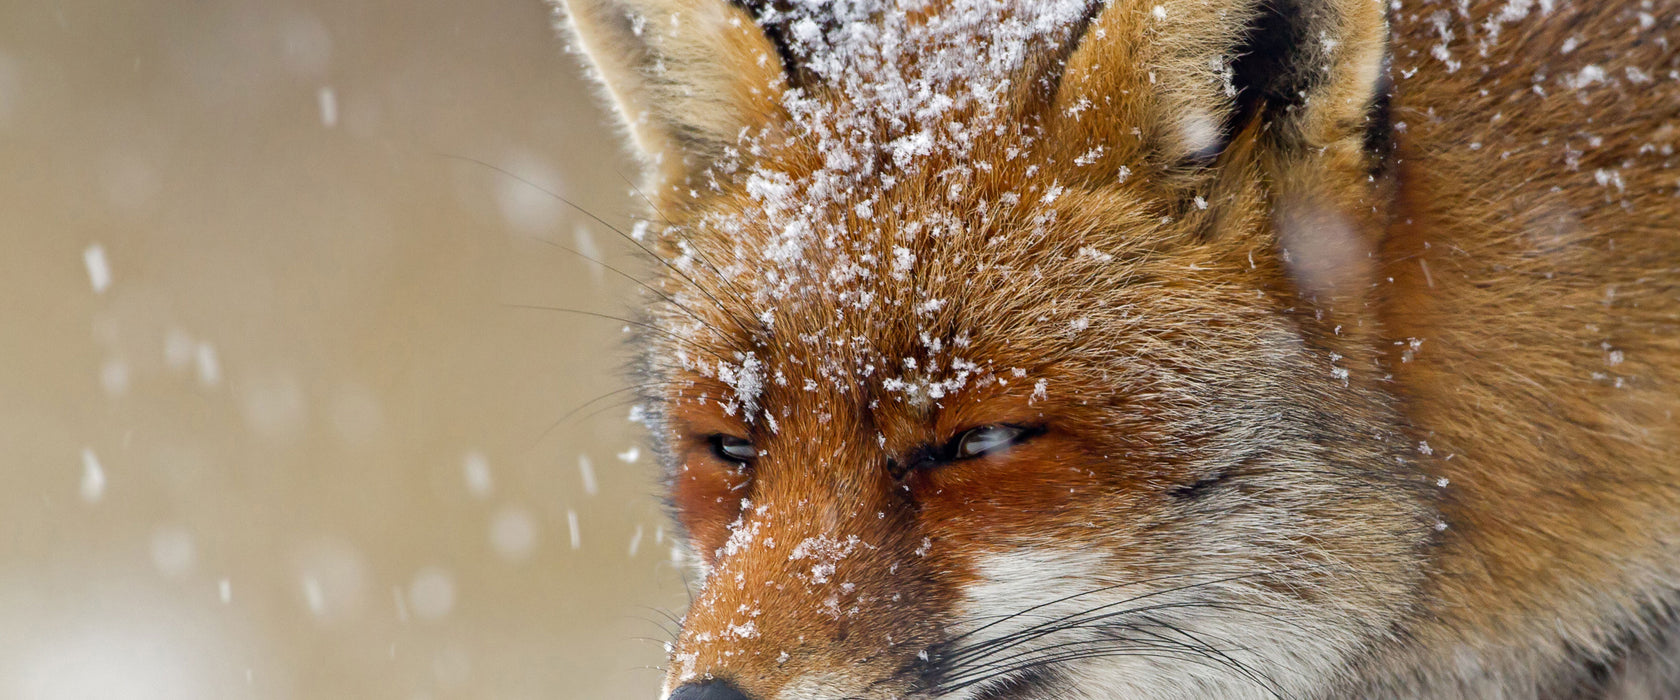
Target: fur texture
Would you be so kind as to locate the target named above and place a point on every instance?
(1344, 338)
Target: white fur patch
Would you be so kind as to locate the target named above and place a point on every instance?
(1173, 638)
(817, 686)
(1200, 134)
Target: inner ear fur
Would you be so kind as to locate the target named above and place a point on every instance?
(688, 77)
(1169, 83)
(1257, 122)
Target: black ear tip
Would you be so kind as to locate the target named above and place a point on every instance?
(1267, 70)
(710, 690)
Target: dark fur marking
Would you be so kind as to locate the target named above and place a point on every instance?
(1598, 673)
(1199, 488)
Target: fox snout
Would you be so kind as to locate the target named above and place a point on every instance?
(708, 690)
(813, 593)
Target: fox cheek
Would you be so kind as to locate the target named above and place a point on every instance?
(705, 499)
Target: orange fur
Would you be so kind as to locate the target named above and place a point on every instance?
(1402, 408)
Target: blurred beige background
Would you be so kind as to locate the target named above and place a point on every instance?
(270, 424)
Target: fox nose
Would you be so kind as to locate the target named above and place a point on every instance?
(711, 690)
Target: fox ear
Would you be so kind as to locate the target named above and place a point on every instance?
(687, 76)
(1174, 81)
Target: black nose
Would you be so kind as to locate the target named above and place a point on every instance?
(710, 690)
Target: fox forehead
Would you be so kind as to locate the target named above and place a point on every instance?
(1002, 285)
(906, 227)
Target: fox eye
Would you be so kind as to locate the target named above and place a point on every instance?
(733, 449)
(987, 439)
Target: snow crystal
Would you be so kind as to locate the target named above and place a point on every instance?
(1513, 11)
(93, 476)
(98, 267)
(1094, 254)
(431, 593)
(207, 363)
(1606, 178)
(527, 202)
(513, 533)
(906, 149)
(585, 244)
(113, 377)
(314, 595)
(572, 529)
(903, 261)
(1588, 76)
(826, 553)
(475, 470)
(586, 471)
(327, 101)
(747, 379)
(636, 541)
(1442, 51)
(178, 349)
(630, 455)
(332, 577)
(274, 405)
(224, 590)
(742, 533)
(746, 630)
(1052, 194)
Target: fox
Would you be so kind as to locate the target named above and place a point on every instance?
(1159, 349)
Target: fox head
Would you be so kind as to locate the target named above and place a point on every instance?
(1016, 349)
